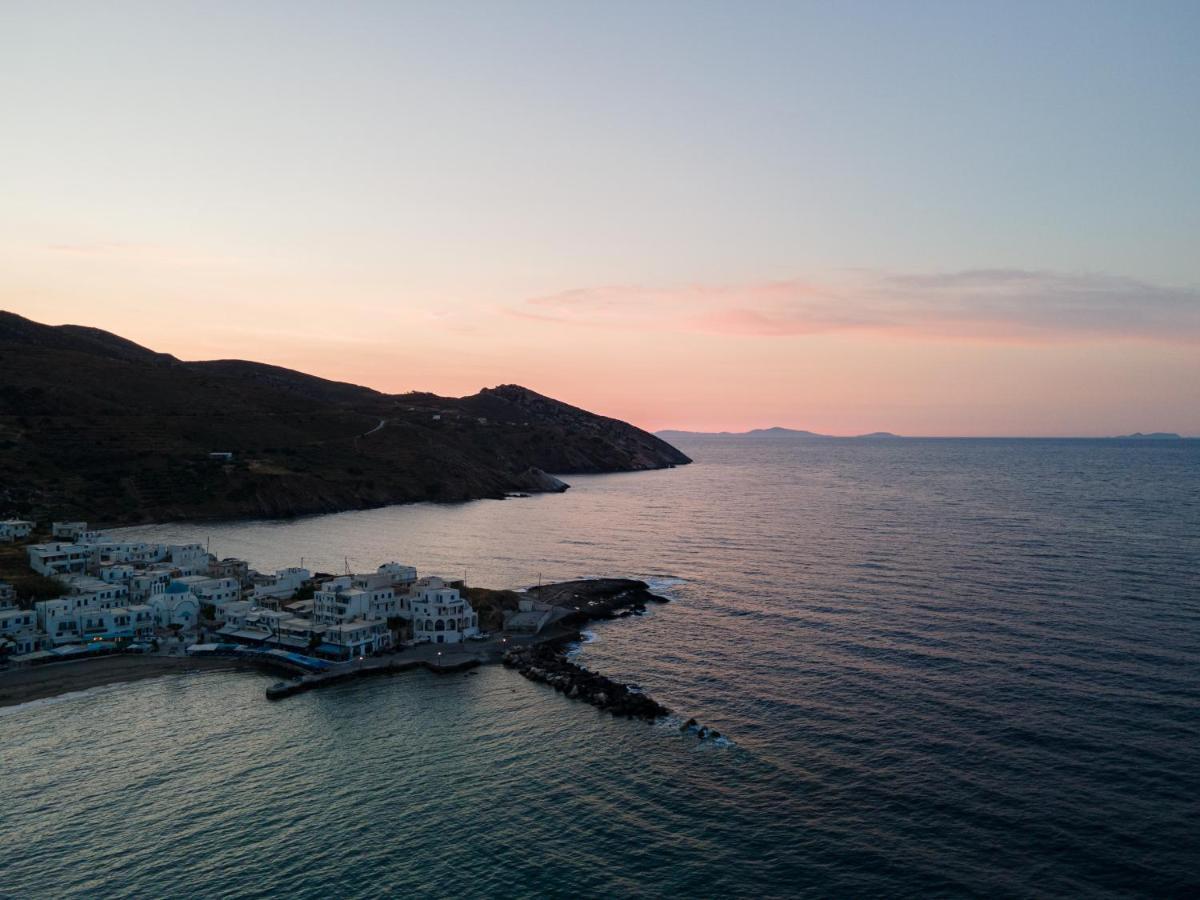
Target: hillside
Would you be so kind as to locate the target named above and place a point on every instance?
(98, 427)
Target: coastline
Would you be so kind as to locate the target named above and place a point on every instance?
(19, 686)
(587, 600)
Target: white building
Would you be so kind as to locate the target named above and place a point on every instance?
(142, 620)
(402, 577)
(213, 592)
(350, 639)
(142, 584)
(57, 619)
(105, 552)
(14, 530)
(280, 586)
(530, 617)
(233, 612)
(96, 591)
(8, 596)
(58, 559)
(440, 614)
(352, 598)
(189, 559)
(18, 631)
(116, 623)
(297, 633)
(68, 531)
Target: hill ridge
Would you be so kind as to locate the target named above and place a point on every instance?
(98, 427)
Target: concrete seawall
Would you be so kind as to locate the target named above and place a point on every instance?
(368, 669)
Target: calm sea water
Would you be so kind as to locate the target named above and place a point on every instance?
(946, 667)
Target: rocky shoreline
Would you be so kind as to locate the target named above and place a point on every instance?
(549, 665)
(590, 599)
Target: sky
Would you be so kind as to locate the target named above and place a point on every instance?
(939, 218)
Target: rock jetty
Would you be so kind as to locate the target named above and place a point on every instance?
(591, 599)
(550, 666)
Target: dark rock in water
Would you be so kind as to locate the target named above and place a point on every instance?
(690, 723)
(550, 666)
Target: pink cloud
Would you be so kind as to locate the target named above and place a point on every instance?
(982, 304)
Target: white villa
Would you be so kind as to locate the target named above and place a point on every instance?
(440, 613)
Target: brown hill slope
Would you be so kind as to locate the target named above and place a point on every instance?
(95, 426)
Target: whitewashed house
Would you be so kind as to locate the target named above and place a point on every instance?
(8, 596)
(351, 639)
(14, 530)
(189, 559)
(68, 531)
(233, 613)
(57, 619)
(297, 633)
(440, 614)
(213, 592)
(142, 584)
(344, 600)
(96, 591)
(58, 559)
(402, 577)
(142, 620)
(280, 586)
(18, 631)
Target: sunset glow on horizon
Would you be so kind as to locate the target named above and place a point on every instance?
(683, 217)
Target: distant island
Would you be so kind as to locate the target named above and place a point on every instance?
(798, 434)
(775, 432)
(1150, 436)
(92, 424)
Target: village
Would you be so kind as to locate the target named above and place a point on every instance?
(83, 600)
(120, 596)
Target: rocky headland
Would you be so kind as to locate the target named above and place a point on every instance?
(96, 427)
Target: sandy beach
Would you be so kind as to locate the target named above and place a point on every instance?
(35, 683)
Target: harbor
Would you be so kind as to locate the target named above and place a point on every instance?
(84, 607)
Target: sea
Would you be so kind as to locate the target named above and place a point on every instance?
(940, 668)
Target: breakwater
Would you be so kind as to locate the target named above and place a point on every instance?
(548, 664)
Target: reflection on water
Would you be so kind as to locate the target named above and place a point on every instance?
(945, 666)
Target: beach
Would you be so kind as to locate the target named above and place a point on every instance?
(37, 682)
